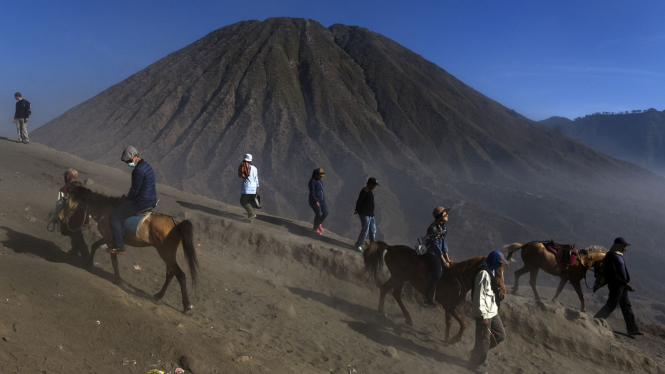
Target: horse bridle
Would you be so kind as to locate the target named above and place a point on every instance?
(70, 213)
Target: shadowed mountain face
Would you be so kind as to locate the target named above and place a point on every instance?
(298, 96)
(637, 137)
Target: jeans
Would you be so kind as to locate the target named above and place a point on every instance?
(619, 296)
(433, 272)
(368, 227)
(484, 340)
(22, 129)
(321, 212)
(119, 215)
(246, 202)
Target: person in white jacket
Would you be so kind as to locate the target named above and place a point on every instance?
(250, 185)
(489, 329)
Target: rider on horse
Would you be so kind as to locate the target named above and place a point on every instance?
(437, 252)
(142, 195)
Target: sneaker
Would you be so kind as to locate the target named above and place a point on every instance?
(320, 229)
(116, 251)
(250, 219)
(429, 303)
(636, 333)
(358, 249)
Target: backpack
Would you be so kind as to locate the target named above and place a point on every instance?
(28, 106)
(243, 170)
(421, 247)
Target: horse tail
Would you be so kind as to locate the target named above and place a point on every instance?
(373, 257)
(187, 234)
(512, 248)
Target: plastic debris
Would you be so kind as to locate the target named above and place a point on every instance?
(155, 371)
(159, 362)
(179, 371)
(137, 267)
(126, 362)
(98, 323)
(199, 245)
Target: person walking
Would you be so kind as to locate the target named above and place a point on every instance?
(437, 252)
(489, 328)
(21, 118)
(617, 278)
(365, 211)
(142, 195)
(317, 201)
(250, 185)
(74, 225)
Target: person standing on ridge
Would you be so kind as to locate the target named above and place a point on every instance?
(142, 195)
(250, 185)
(316, 199)
(365, 211)
(74, 226)
(617, 277)
(489, 328)
(437, 252)
(21, 118)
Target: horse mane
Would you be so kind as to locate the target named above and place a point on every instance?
(596, 248)
(96, 199)
(462, 267)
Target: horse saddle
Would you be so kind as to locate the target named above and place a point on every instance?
(132, 224)
(565, 253)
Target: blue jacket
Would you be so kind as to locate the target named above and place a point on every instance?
(316, 191)
(143, 185)
(437, 240)
(251, 183)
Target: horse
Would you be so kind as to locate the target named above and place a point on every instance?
(536, 257)
(450, 292)
(157, 230)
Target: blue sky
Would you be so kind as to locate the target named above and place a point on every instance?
(541, 58)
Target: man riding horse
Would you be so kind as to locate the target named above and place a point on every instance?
(142, 195)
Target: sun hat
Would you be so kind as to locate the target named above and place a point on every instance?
(248, 157)
(439, 210)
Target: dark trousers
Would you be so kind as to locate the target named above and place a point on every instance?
(78, 244)
(433, 272)
(119, 215)
(321, 212)
(246, 202)
(619, 296)
(485, 341)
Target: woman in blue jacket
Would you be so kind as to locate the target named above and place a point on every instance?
(316, 199)
(437, 252)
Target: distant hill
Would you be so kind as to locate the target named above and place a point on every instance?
(637, 136)
(298, 95)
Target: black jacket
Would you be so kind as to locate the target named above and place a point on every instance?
(613, 275)
(365, 203)
(23, 109)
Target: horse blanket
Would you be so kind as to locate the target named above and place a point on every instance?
(132, 224)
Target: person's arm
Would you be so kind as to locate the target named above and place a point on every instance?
(312, 192)
(137, 181)
(255, 177)
(58, 205)
(361, 200)
(484, 287)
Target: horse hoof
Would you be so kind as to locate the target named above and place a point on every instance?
(157, 298)
(188, 308)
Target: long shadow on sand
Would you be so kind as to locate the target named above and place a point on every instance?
(291, 226)
(379, 328)
(25, 243)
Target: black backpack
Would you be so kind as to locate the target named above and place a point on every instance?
(28, 108)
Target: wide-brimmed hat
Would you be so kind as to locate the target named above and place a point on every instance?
(129, 153)
(439, 210)
(248, 157)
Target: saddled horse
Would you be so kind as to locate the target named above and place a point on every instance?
(536, 257)
(156, 230)
(450, 292)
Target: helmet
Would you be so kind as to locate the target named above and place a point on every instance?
(439, 210)
(129, 153)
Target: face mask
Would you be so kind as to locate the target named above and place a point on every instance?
(131, 164)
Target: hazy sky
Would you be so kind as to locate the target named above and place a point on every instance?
(541, 58)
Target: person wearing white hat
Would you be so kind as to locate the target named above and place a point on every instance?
(250, 185)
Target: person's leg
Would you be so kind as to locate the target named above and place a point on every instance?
(19, 135)
(481, 347)
(324, 212)
(433, 273)
(317, 215)
(117, 217)
(627, 311)
(496, 326)
(245, 202)
(78, 244)
(24, 131)
(364, 222)
(612, 302)
(372, 230)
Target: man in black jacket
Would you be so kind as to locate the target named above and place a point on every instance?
(617, 277)
(365, 211)
(21, 118)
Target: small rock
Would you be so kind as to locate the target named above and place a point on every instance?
(180, 325)
(5, 338)
(27, 208)
(243, 358)
(291, 311)
(392, 352)
(59, 346)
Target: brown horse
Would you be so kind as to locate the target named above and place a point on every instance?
(157, 230)
(536, 257)
(450, 292)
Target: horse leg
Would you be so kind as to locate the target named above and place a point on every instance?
(389, 285)
(532, 282)
(462, 326)
(449, 324)
(182, 279)
(159, 295)
(563, 282)
(578, 289)
(518, 274)
(114, 260)
(93, 248)
(397, 294)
